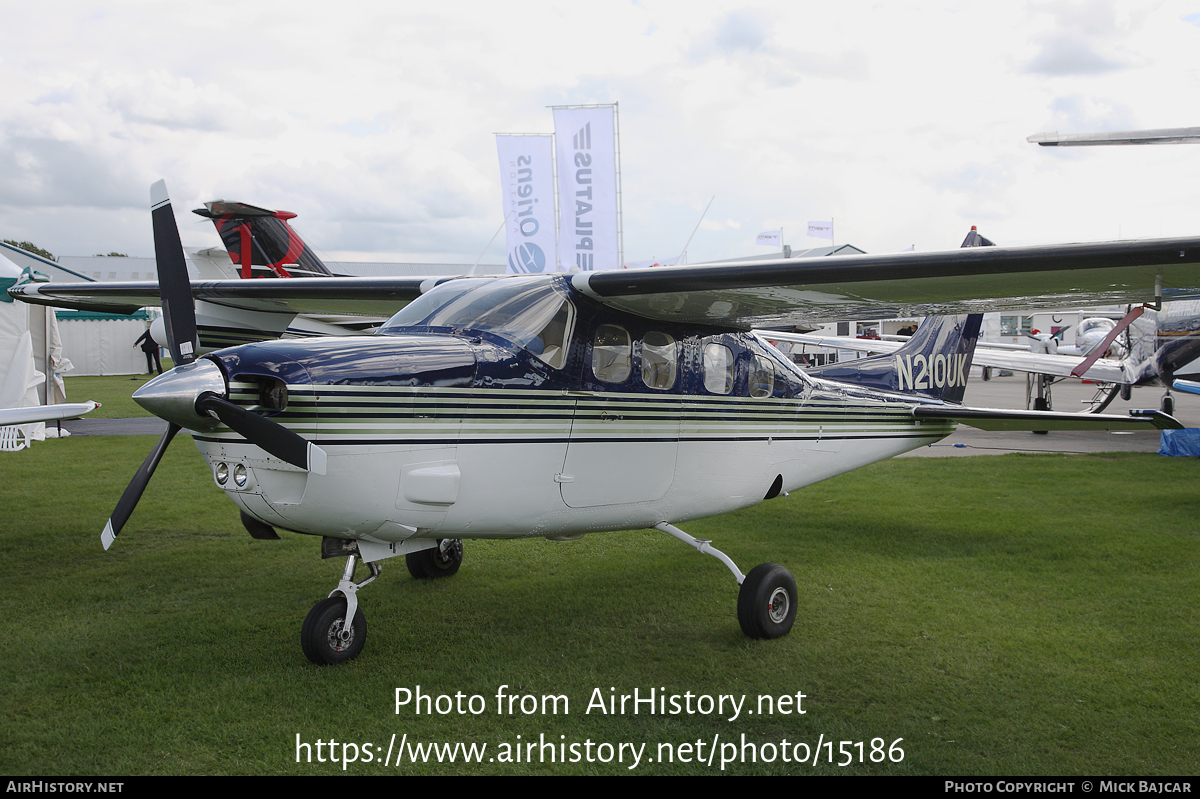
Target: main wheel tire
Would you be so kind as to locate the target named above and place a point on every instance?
(1167, 405)
(767, 602)
(429, 564)
(320, 637)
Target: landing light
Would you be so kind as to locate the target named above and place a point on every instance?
(240, 475)
(222, 473)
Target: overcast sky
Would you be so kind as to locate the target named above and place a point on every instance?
(904, 122)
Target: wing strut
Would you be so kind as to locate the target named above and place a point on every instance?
(1095, 354)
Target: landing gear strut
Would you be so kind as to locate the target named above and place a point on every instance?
(326, 637)
(1041, 400)
(767, 599)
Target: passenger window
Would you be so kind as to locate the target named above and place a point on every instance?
(612, 354)
(658, 360)
(718, 369)
(762, 377)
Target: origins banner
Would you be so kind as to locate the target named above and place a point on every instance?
(588, 237)
(527, 183)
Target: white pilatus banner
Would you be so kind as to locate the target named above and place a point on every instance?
(527, 183)
(587, 188)
(773, 238)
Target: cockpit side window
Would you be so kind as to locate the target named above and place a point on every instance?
(659, 360)
(762, 377)
(612, 354)
(550, 343)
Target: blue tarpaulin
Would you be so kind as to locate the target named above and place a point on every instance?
(1180, 443)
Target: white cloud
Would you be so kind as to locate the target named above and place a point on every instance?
(906, 122)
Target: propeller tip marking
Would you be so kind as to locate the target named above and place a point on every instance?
(108, 536)
(158, 194)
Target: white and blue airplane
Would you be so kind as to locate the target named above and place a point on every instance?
(564, 404)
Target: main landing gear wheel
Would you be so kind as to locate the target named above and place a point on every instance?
(1167, 405)
(440, 561)
(324, 637)
(767, 602)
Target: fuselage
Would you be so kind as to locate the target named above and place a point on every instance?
(520, 408)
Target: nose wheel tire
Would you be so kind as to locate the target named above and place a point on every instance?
(324, 637)
(767, 602)
(440, 561)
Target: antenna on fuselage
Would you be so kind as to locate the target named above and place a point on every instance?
(489, 244)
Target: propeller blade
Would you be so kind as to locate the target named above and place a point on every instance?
(265, 433)
(137, 485)
(174, 286)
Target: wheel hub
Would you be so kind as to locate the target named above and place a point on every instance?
(779, 605)
(340, 636)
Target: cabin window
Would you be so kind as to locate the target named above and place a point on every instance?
(762, 377)
(718, 369)
(1015, 325)
(658, 360)
(612, 354)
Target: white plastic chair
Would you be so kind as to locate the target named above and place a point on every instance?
(12, 438)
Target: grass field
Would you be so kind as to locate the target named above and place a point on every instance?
(1015, 615)
(111, 391)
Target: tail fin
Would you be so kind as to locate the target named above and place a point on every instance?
(262, 241)
(933, 363)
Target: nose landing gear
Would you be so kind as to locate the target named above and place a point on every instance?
(326, 637)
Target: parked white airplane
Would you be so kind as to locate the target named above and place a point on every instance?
(559, 405)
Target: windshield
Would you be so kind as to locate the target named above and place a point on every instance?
(530, 312)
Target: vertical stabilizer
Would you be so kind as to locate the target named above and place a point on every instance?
(261, 242)
(934, 363)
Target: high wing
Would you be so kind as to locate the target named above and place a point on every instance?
(1001, 357)
(751, 294)
(357, 296)
(970, 280)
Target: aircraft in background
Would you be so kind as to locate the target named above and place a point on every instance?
(11, 419)
(46, 413)
(559, 405)
(1159, 136)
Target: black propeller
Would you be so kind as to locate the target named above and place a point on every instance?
(133, 492)
(179, 313)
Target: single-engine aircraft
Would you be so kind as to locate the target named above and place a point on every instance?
(564, 404)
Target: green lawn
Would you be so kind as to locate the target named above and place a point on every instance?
(1013, 615)
(113, 392)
